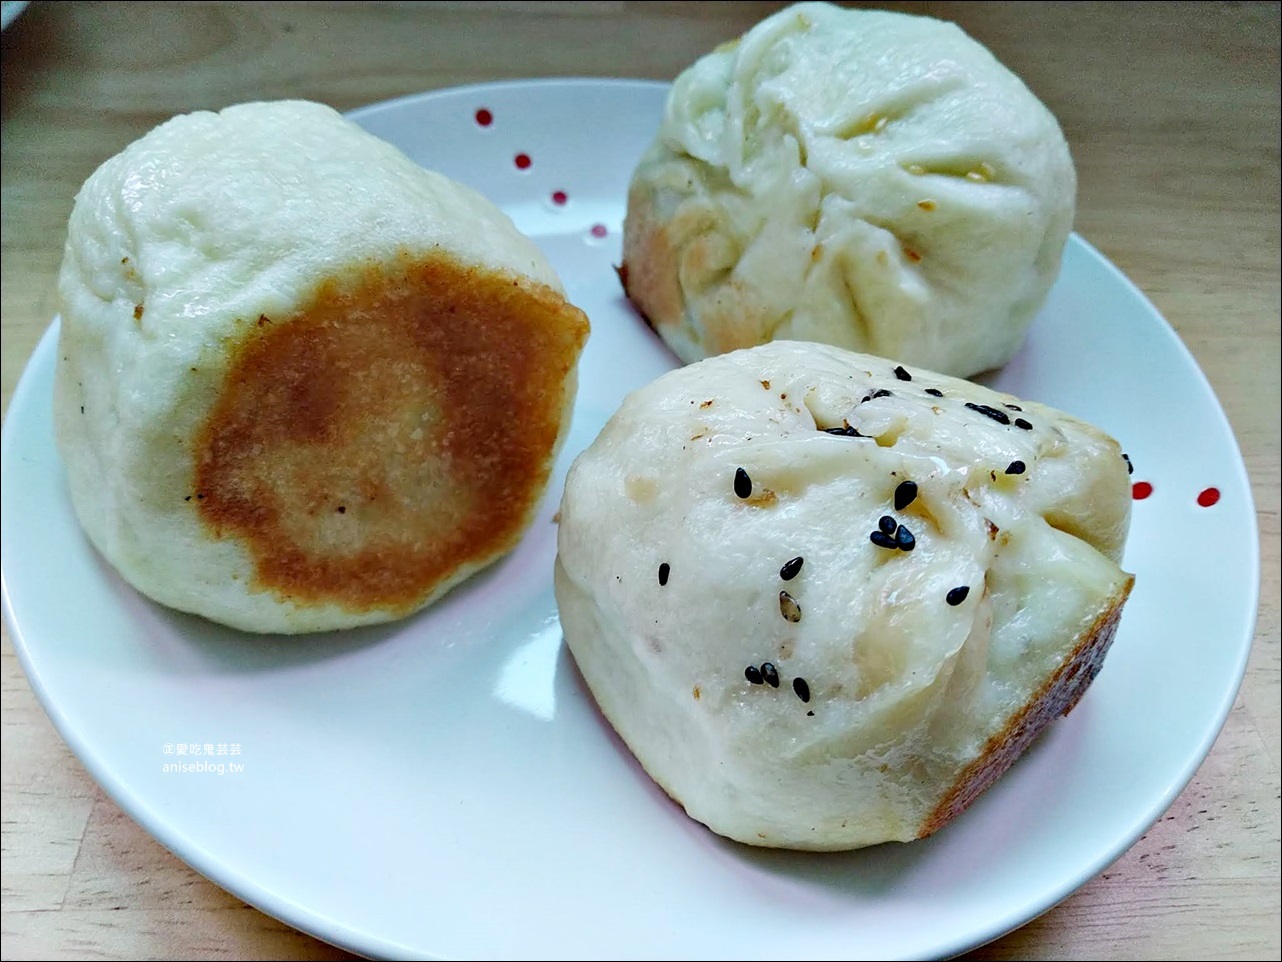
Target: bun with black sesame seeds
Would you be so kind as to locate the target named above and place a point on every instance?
(302, 384)
(855, 634)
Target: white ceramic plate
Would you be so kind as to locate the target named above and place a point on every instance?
(444, 787)
(9, 11)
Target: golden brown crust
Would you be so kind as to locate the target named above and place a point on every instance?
(397, 428)
(1058, 695)
(665, 260)
(649, 271)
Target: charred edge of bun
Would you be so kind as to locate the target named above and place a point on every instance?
(649, 272)
(622, 271)
(1058, 696)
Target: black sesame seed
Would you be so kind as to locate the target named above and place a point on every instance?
(1130, 468)
(1012, 407)
(791, 568)
(882, 393)
(1016, 467)
(957, 595)
(742, 483)
(847, 432)
(664, 570)
(905, 494)
(789, 608)
(810, 714)
(1001, 417)
(753, 674)
(887, 524)
(801, 688)
(771, 675)
(342, 509)
(1021, 423)
(902, 374)
(882, 540)
(904, 539)
(934, 392)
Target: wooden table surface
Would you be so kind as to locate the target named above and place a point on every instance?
(1172, 112)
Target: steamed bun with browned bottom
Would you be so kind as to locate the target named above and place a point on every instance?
(863, 178)
(302, 383)
(826, 599)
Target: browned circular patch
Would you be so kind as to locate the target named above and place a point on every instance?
(394, 429)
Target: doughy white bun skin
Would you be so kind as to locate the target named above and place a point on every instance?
(863, 178)
(908, 680)
(302, 384)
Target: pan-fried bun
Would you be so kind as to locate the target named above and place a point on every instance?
(827, 599)
(302, 382)
(863, 178)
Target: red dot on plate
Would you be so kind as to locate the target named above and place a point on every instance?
(522, 161)
(598, 230)
(1208, 497)
(559, 197)
(484, 117)
(1141, 490)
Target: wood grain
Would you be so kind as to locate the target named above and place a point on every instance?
(1172, 111)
